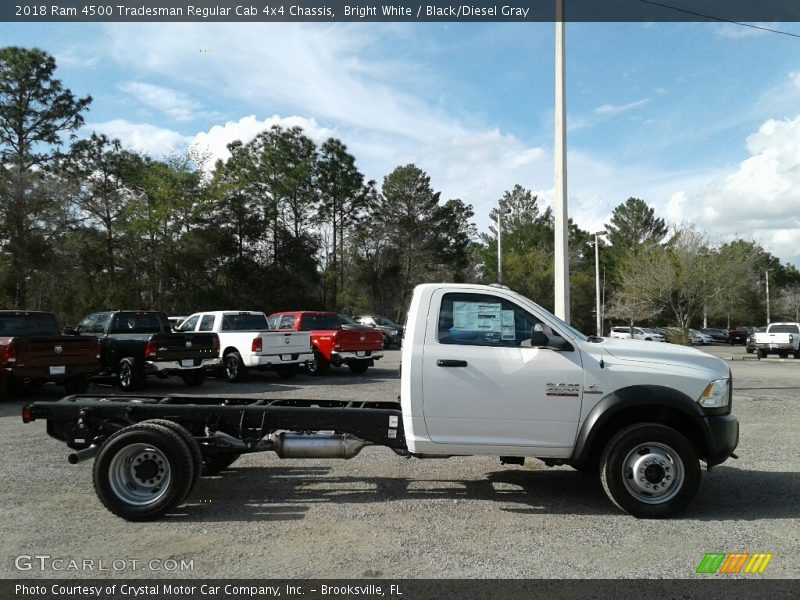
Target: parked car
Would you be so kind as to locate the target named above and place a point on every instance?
(138, 343)
(750, 344)
(624, 332)
(392, 332)
(676, 336)
(717, 334)
(33, 352)
(740, 334)
(704, 338)
(246, 342)
(333, 345)
(782, 339)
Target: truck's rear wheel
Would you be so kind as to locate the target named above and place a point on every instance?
(77, 385)
(318, 366)
(233, 368)
(194, 378)
(287, 371)
(143, 471)
(650, 471)
(128, 376)
(214, 463)
(358, 367)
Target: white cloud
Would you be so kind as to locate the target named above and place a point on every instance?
(214, 142)
(761, 198)
(72, 59)
(174, 104)
(610, 110)
(142, 137)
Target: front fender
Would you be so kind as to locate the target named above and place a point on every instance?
(655, 396)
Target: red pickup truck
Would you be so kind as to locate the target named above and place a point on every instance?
(332, 345)
(33, 352)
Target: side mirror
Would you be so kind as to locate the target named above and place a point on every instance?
(69, 331)
(538, 339)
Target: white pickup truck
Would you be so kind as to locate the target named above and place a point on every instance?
(247, 343)
(782, 339)
(485, 372)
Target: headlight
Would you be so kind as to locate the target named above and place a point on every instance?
(393, 332)
(716, 394)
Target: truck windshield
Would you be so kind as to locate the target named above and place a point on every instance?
(310, 322)
(19, 324)
(244, 323)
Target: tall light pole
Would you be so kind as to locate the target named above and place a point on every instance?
(597, 281)
(768, 270)
(560, 187)
(500, 213)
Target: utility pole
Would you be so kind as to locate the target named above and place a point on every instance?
(500, 212)
(597, 281)
(560, 188)
(768, 319)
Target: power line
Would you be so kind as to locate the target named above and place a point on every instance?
(721, 20)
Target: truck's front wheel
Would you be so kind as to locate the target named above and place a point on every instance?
(650, 471)
(143, 471)
(129, 378)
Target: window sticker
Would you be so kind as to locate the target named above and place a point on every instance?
(485, 317)
(509, 330)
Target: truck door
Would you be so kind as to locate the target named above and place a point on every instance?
(483, 386)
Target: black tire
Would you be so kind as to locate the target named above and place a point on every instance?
(663, 458)
(359, 368)
(215, 463)
(77, 385)
(760, 354)
(193, 378)
(143, 471)
(287, 371)
(128, 375)
(191, 443)
(783, 354)
(233, 368)
(749, 350)
(318, 366)
(797, 354)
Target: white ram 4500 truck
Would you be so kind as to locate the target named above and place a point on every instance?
(246, 342)
(782, 339)
(485, 372)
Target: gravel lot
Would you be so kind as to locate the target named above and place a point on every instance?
(381, 515)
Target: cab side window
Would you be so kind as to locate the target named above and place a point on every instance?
(207, 323)
(483, 320)
(190, 323)
(287, 322)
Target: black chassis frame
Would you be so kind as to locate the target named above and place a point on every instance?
(83, 421)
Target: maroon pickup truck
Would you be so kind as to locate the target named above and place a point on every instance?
(333, 345)
(33, 352)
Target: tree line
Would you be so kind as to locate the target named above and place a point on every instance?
(284, 223)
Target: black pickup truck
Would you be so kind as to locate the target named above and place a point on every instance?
(135, 344)
(33, 352)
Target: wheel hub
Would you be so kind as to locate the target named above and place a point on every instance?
(653, 473)
(139, 474)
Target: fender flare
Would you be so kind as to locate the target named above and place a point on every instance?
(632, 396)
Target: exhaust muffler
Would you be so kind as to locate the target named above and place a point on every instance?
(293, 445)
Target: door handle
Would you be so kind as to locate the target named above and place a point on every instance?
(451, 363)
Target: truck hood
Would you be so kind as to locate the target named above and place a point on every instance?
(666, 354)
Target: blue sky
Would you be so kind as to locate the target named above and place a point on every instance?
(700, 120)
